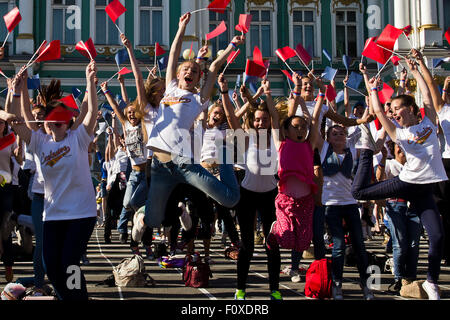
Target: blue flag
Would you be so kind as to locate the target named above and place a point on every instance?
(340, 96)
(34, 82)
(162, 62)
(354, 80)
(121, 57)
(329, 73)
(438, 61)
(76, 92)
(327, 54)
(346, 60)
(122, 104)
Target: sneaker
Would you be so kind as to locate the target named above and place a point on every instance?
(396, 286)
(286, 270)
(367, 141)
(208, 260)
(295, 276)
(239, 295)
(123, 237)
(432, 290)
(135, 250)
(9, 274)
(275, 295)
(337, 291)
(84, 260)
(149, 253)
(368, 295)
(138, 227)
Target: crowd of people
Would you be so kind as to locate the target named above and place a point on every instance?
(293, 165)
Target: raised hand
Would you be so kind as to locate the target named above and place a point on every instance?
(203, 51)
(238, 40)
(297, 79)
(362, 68)
(125, 41)
(184, 20)
(223, 83)
(104, 86)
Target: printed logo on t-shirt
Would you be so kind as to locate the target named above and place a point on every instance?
(170, 101)
(53, 157)
(421, 136)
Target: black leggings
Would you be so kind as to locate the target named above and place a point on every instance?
(442, 197)
(421, 201)
(264, 203)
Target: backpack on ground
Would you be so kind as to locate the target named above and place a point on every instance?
(130, 272)
(318, 279)
(196, 273)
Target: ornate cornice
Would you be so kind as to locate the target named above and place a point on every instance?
(304, 3)
(346, 3)
(260, 3)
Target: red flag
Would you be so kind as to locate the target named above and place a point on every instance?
(304, 55)
(407, 30)
(257, 56)
(378, 125)
(254, 70)
(330, 93)
(388, 37)
(81, 47)
(114, 10)
(244, 23)
(385, 94)
(7, 140)
(219, 5)
(51, 52)
(447, 35)
(374, 52)
(190, 51)
(125, 71)
(395, 60)
(422, 112)
(60, 114)
(287, 74)
(221, 28)
(233, 56)
(70, 102)
(12, 19)
(285, 53)
(159, 51)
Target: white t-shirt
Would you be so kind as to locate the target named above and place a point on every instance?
(121, 161)
(134, 142)
(423, 158)
(210, 152)
(261, 165)
(38, 179)
(176, 115)
(5, 161)
(108, 166)
(392, 168)
(310, 106)
(444, 120)
(337, 189)
(69, 192)
(150, 116)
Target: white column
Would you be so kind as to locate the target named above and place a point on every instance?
(25, 39)
(401, 20)
(428, 13)
(430, 32)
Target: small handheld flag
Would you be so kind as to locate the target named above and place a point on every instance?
(244, 23)
(7, 140)
(114, 10)
(121, 57)
(218, 6)
(87, 49)
(12, 19)
(385, 94)
(221, 28)
(329, 73)
(326, 54)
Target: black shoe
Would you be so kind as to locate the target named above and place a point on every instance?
(365, 216)
(388, 249)
(396, 287)
(123, 238)
(107, 241)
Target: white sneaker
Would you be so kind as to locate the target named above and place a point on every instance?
(295, 276)
(432, 290)
(138, 226)
(336, 291)
(367, 141)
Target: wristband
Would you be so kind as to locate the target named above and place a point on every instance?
(374, 89)
(105, 92)
(381, 165)
(202, 58)
(267, 92)
(224, 92)
(235, 46)
(295, 93)
(444, 90)
(321, 94)
(16, 95)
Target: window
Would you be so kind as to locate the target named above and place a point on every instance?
(105, 30)
(261, 31)
(150, 22)
(220, 42)
(61, 30)
(446, 15)
(304, 22)
(4, 9)
(346, 33)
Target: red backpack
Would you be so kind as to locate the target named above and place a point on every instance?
(318, 279)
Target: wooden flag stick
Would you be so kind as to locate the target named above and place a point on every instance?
(384, 66)
(356, 91)
(397, 54)
(4, 42)
(410, 43)
(288, 66)
(34, 55)
(1, 72)
(120, 31)
(235, 53)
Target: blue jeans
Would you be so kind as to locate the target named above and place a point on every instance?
(421, 201)
(166, 176)
(350, 214)
(64, 243)
(405, 228)
(37, 209)
(318, 231)
(125, 216)
(136, 190)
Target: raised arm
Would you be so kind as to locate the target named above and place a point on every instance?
(90, 119)
(25, 104)
(19, 126)
(403, 79)
(315, 138)
(233, 121)
(175, 49)
(446, 89)
(215, 66)
(123, 89)
(83, 112)
(427, 99)
(112, 102)
(136, 72)
(348, 109)
(293, 103)
(277, 135)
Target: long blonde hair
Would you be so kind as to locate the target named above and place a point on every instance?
(139, 115)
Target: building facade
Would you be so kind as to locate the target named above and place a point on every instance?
(339, 26)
